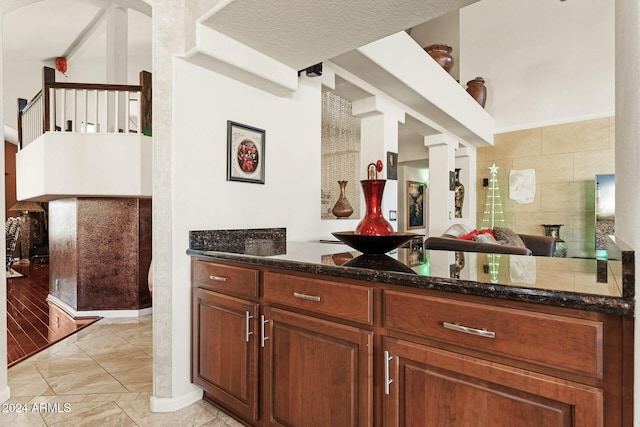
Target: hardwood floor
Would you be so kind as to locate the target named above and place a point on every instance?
(29, 329)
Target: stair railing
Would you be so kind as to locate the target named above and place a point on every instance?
(85, 107)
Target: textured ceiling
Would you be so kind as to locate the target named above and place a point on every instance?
(301, 33)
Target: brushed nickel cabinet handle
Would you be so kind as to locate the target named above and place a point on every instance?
(263, 322)
(218, 278)
(387, 380)
(306, 297)
(467, 330)
(248, 333)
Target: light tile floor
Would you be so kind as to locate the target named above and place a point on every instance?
(100, 376)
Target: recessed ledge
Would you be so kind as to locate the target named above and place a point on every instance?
(398, 66)
(217, 52)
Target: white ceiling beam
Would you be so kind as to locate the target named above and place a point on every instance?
(94, 28)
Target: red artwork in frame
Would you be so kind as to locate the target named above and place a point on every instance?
(245, 153)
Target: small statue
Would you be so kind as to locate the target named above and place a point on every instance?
(373, 169)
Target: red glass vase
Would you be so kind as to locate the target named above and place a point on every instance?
(373, 223)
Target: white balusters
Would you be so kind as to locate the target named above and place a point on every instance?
(87, 110)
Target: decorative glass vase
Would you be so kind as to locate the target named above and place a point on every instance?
(553, 230)
(459, 195)
(342, 208)
(373, 223)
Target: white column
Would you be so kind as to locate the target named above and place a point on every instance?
(379, 135)
(117, 55)
(4, 385)
(172, 388)
(442, 149)
(627, 150)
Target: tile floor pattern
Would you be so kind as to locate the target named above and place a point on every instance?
(100, 376)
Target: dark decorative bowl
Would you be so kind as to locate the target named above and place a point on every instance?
(373, 244)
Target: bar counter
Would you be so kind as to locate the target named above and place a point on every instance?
(585, 284)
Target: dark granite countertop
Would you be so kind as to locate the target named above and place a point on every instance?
(587, 284)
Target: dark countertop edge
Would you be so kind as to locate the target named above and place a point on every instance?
(581, 301)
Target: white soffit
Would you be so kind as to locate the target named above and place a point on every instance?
(398, 66)
(302, 33)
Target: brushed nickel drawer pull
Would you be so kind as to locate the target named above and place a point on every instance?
(467, 330)
(263, 323)
(248, 332)
(307, 297)
(218, 278)
(387, 379)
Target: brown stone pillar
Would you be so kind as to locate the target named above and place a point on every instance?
(99, 252)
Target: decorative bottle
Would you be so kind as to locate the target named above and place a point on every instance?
(459, 195)
(342, 208)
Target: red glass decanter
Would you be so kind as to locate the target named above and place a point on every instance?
(373, 224)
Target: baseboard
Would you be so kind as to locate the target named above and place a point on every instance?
(172, 404)
(100, 313)
(5, 394)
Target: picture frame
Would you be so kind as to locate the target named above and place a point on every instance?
(245, 153)
(415, 205)
(392, 166)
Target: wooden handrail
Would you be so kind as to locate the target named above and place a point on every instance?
(28, 105)
(94, 86)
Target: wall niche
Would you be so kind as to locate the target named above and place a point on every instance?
(340, 154)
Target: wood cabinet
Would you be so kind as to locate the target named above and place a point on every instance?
(430, 387)
(225, 352)
(316, 363)
(316, 372)
(512, 364)
(279, 348)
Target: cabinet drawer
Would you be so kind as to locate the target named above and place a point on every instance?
(226, 278)
(565, 343)
(346, 301)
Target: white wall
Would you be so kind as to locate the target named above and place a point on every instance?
(442, 30)
(290, 196)
(560, 64)
(80, 164)
(21, 81)
(627, 150)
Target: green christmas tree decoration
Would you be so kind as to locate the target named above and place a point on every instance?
(493, 211)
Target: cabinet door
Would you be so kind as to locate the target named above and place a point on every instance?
(225, 351)
(431, 387)
(317, 373)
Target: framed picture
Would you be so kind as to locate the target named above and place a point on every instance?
(245, 153)
(452, 181)
(392, 165)
(415, 205)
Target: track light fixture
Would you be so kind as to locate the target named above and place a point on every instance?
(313, 71)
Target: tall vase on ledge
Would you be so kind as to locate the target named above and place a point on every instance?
(553, 230)
(373, 223)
